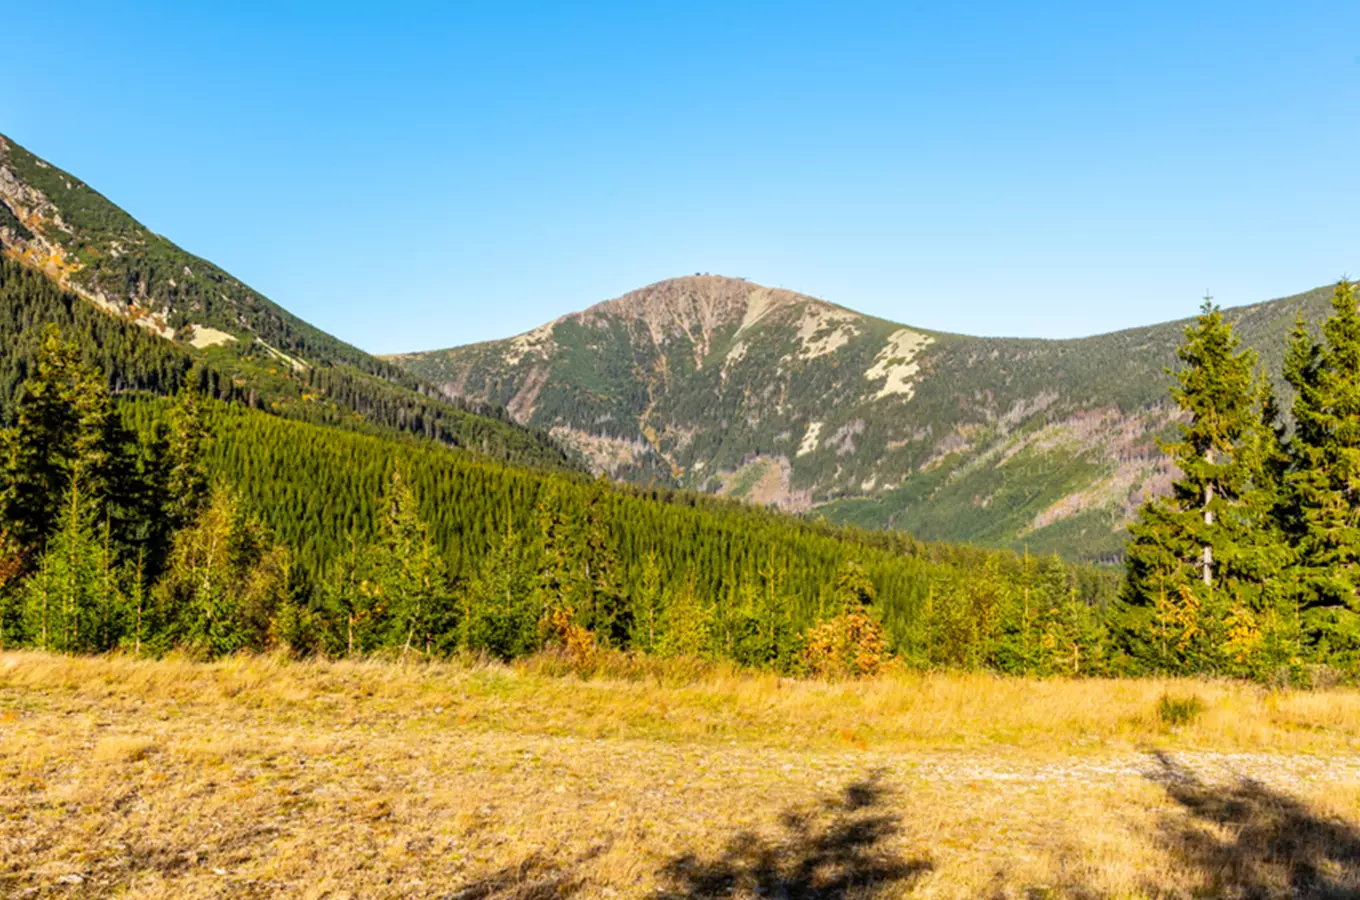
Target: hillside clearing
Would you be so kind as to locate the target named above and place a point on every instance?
(260, 777)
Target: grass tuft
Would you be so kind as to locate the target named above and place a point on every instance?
(1178, 712)
(123, 749)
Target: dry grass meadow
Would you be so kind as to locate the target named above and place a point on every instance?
(260, 777)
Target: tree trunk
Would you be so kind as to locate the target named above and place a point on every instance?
(1208, 557)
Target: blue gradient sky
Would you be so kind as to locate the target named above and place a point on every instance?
(413, 176)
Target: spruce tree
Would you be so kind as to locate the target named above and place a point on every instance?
(647, 606)
(38, 450)
(186, 477)
(687, 625)
(852, 587)
(1323, 485)
(497, 614)
(67, 594)
(404, 571)
(66, 428)
(225, 583)
(1180, 555)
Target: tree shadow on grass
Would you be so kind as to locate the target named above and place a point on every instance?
(842, 858)
(1247, 841)
(536, 878)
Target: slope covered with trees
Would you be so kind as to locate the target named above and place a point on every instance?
(132, 359)
(152, 524)
(68, 255)
(779, 398)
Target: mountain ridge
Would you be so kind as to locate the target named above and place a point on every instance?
(727, 386)
(53, 223)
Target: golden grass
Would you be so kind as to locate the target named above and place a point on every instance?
(262, 777)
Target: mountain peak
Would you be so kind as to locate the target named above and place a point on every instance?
(696, 306)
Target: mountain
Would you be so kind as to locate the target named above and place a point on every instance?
(721, 385)
(253, 350)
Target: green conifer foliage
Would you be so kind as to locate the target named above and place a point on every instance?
(852, 587)
(225, 585)
(186, 474)
(71, 594)
(405, 573)
(1324, 482)
(763, 635)
(687, 626)
(1184, 553)
(67, 429)
(647, 605)
(39, 450)
(497, 611)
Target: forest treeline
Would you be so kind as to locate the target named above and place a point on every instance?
(142, 523)
(149, 523)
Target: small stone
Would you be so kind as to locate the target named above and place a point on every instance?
(219, 871)
(73, 878)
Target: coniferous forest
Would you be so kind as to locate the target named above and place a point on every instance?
(149, 502)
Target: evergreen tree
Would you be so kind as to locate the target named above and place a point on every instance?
(852, 587)
(405, 573)
(67, 594)
(66, 429)
(687, 626)
(136, 612)
(1181, 550)
(354, 618)
(224, 585)
(604, 611)
(38, 450)
(498, 616)
(647, 606)
(1021, 645)
(186, 474)
(762, 630)
(1324, 481)
(558, 583)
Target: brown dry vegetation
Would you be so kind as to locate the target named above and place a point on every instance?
(260, 777)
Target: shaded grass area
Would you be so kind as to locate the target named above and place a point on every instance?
(845, 857)
(1247, 840)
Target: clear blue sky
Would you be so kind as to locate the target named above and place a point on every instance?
(414, 176)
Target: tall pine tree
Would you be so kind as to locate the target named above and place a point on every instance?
(1182, 561)
(1324, 482)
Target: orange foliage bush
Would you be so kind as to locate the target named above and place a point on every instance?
(852, 645)
(576, 642)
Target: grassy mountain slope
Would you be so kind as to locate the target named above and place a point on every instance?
(51, 222)
(725, 386)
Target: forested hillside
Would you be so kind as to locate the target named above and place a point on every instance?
(164, 309)
(131, 358)
(150, 524)
(347, 542)
(784, 399)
